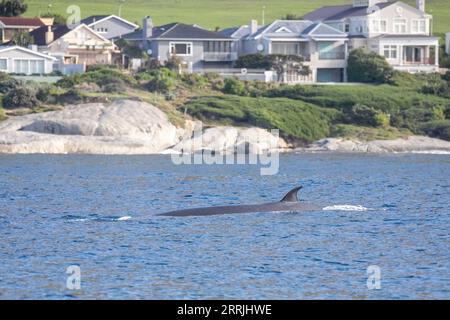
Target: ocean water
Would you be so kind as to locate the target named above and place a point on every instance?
(388, 212)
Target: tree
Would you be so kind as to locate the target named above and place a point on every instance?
(253, 61)
(284, 64)
(22, 38)
(368, 67)
(12, 8)
(291, 16)
(58, 19)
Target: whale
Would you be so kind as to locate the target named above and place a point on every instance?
(289, 203)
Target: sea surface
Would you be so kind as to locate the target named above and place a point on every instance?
(385, 233)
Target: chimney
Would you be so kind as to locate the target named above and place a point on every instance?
(147, 31)
(48, 21)
(49, 35)
(147, 27)
(253, 26)
(420, 4)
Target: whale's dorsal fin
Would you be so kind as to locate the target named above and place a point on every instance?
(291, 196)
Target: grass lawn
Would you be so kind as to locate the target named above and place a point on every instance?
(214, 13)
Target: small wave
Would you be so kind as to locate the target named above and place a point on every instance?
(428, 152)
(124, 218)
(345, 207)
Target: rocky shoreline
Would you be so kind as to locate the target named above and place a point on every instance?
(132, 127)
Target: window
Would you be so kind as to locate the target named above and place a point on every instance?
(390, 52)
(287, 48)
(347, 27)
(3, 64)
(36, 66)
(400, 26)
(419, 26)
(181, 48)
(21, 66)
(378, 26)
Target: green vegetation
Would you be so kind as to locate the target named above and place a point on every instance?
(2, 114)
(368, 67)
(12, 8)
(407, 104)
(213, 13)
(294, 119)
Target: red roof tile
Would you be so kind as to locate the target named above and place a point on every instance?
(18, 21)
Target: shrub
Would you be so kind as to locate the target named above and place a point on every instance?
(233, 86)
(194, 80)
(174, 63)
(163, 80)
(435, 85)
(70, 81)
(115, 86)
(97, 67)
(439, 129)
(2, 114)
(21, 97)
(253, 61)
(43, 93)
(366, 116)
(368, 67)
(7, 82)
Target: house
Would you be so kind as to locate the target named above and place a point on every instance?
(11, 25)
(323, 48)
(110, 27)
(78, 47)
(15, 59)
(199, 49)
(398, 31)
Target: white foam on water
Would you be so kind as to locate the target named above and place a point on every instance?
(124, 218)
(345, 207)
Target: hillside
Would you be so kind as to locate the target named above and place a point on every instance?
(214, 13)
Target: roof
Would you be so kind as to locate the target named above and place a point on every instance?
(185, 31)
(179, 31)
(281, 28)
(21, 22)
(237, 32)
(322, 30)
(9, 48)
(331, 13)
(58, 32)
(39, 33)
(92, 20)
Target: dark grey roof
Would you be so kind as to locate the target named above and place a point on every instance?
(178, 31)
(343, 11)
(93, 19)
(294, 26)
(39, 34)
(185, 31)
(320, 30)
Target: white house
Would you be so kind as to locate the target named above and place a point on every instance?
(396, 30)
(15, 59)
(110, 27)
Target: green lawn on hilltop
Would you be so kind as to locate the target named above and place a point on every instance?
(214, 13)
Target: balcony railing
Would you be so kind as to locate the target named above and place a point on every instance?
(219, 56)
(332, 55)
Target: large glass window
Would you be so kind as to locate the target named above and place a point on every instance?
(37, 66)
(379, 26)
(287, 48)
(181, 48)
(419, 26)
(21, 66)
(400, 26)
(3, 64)
(390, 52)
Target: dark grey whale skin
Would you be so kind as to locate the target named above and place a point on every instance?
(289, 203)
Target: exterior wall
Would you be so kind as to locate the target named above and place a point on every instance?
(193, 62)
(6, 34)
(115, 28)
(13, 55)
(81, 46)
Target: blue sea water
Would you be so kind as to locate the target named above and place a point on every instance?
(98, 213)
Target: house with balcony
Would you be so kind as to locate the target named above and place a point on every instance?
(393, 29)
(323, 48)
(74, 48)
(199, 49)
